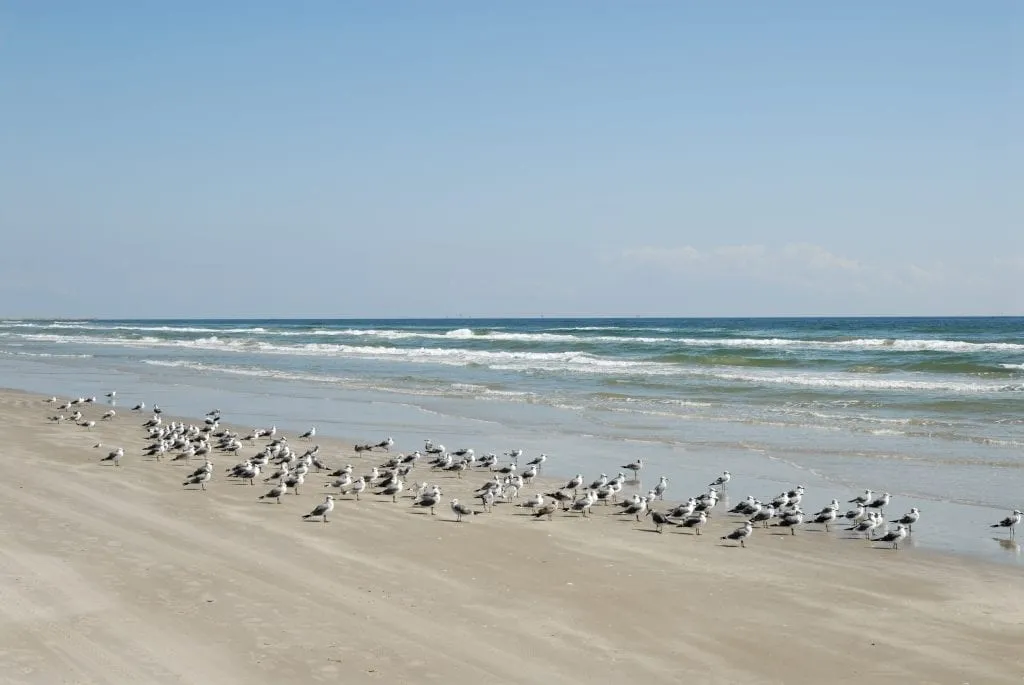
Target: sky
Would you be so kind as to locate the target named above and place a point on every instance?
(389, 158)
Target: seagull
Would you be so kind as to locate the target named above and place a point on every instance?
(766, 514)
(200, 479)
(139, 407)
(538, 461)
(741, 533)
(583, 504)
(560, 497)
(514, 455)
(322, 509)
(534, 502)
(357, 487)
(868, 496)
(394, 489)
(909, 519)
(868, 525)
(385, 444)
(112, 394)
(308, 435)
(684, 510)
(721, 480)
(880, 502)
(747, 507)
(894, 537)
(461, 510)
(574, 484)
(826, 516)
(276, 492)
(601, 481)
(791, 519)
(205, 468)
(637, 508)
(52, 400)
(548, 510)
(429, 499)
(857, 514)
(696, 522)
(295, 481)
(659, 519)
(1010, 521)
(108, 415)
(87, 424)
(661, 487)
(114, 456)
(635, 467)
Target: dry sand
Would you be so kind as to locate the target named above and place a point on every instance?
(119, 575)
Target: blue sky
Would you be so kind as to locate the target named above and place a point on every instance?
(388, 158)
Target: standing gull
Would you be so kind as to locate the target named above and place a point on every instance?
(696, 522)
(868, 496)
(461, 510)
(721, 480)
(880, 502)
(894, 537)
(909, 519)
(394, 490)
(741, 533)
(548, 510)
(635, 467)
(659, 519)
(574, 484)
(277, 491)
(322, 509)
(200, 479)
(1010, 521)
(114, 456)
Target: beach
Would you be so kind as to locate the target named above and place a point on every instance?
(925, 409)
(119, 574)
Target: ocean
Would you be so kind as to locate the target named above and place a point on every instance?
(928, 409)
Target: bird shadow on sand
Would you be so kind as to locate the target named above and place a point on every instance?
(647, 530)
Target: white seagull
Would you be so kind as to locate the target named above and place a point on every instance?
(200, 479)
(635, 467)
(721, 480)
(1010, 521)
(894, 537)
(114, 456)
(277, 491)
(461, 510)
(322, 509)
(909, 519)
(741, 533)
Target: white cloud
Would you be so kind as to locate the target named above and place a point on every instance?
(799, 273)
(760, 258)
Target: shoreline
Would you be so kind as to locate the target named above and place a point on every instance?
(118, 574)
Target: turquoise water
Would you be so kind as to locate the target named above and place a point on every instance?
(926, 408)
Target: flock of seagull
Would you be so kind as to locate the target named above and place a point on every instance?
(287, 469)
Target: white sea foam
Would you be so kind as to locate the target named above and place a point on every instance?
(18, 353)
(568, 362)
(484, 335)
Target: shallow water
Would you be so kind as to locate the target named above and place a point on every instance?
(928, 409)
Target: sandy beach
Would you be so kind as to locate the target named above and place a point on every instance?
(119, 574)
